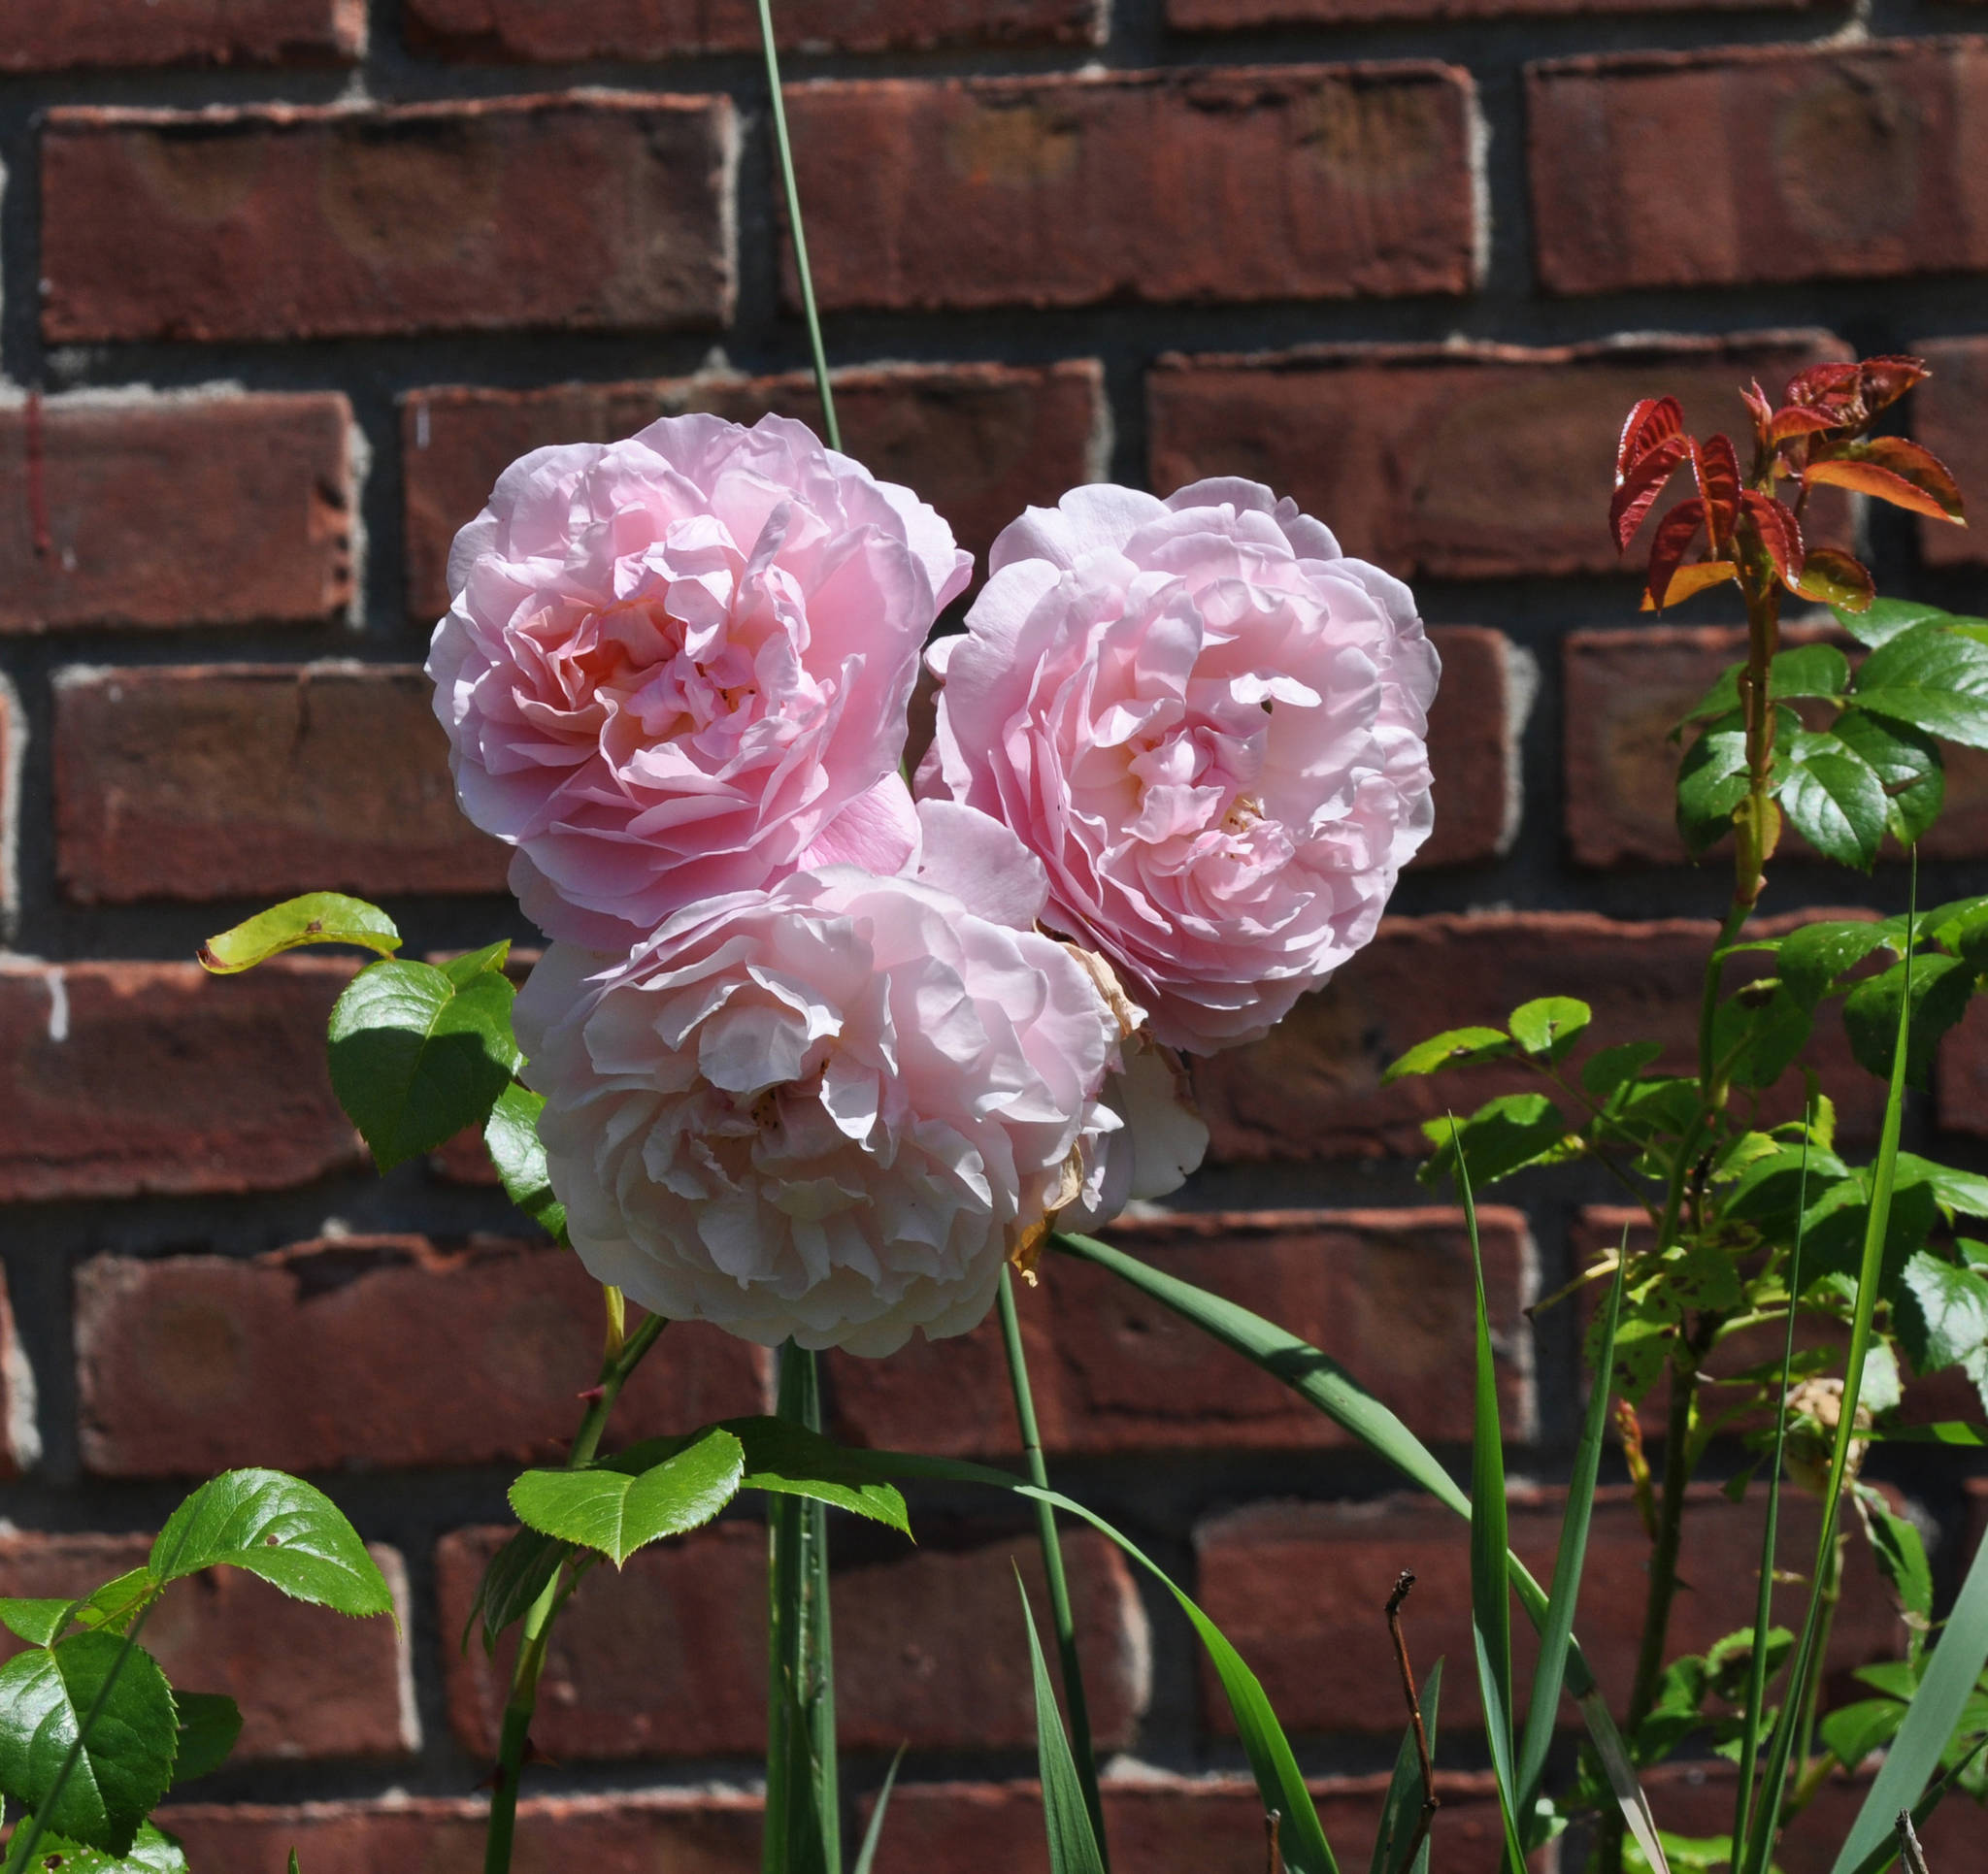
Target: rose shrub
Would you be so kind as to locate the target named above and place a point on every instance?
(1208, 724)
(678, 667)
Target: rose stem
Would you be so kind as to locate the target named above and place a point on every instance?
(794, 228)
(1053, 1562)
(523, 1698)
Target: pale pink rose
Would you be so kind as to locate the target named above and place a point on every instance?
(1210, 725)
(678, 666)
(829, 1111)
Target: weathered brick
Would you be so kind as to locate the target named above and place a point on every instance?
(213, 509)
(204, 781)
(1312, 1088)
(1950, 416)
(21, 1432)
(1624, 692)
(579, 212)
(1244, 15)
(980, 441)
(1766, 163)
(1386, 1292)
(1474, 730)
(1960, 1074)
(668, 1657)
(694, 1831)
(120, 1079)
(1299, 1588)
(308, 1684)
(1462, 461)
(1164, 1824)
(529, 30)
(68, 35)
(1287, 182)
(321, 1357)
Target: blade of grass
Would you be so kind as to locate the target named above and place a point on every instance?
(1762, 1606)
(1886, 1851)
(1065, 1815)
(1490, 1573)
(1549, 1675)
(1325, 1384)
(873, 1834)
(1930, 1719)
(1402, 1808)
(794, 227)
(1884, 1175)
(1060, 1613)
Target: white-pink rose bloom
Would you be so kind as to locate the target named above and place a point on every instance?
(828, 1110)
(678, 666)
(1209, 724)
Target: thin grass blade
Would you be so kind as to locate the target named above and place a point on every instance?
(1402, 1807)
(1066, 1816)
(1550, 1674)
(1886, 1851)
(872, 1835)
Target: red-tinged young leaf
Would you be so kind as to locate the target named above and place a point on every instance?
(1760, 410)
(1637, 489)
(1651, 422)
(1864, 477)
(1673, 536)
(1718, 470)
(1690, 579)
(1919, 466)
(1829, 388)
(1884, 381)
(1834, 578)
(1794, 422)
(1780, 534)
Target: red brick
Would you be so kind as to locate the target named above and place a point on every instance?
(1465, 461)
(1625, 690)
(125, 1079)
(527, 30)
(1950, 416)
(980, 441)
(205, 782)
(68, 35)
(1244, 15)
(310, 1683)
(1312, 1089)
(176, 510)
(1476, 727)
(13, 746)
(1293, 182)
(1961, 1076)
(581, 212)
(1766, 163)
(1164, 1824)
(1386, 1292)
(683, 1830)
(321, 1357)
(668, 1657)
(1300, 1588)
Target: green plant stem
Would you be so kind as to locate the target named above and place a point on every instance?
(1052, 1563)
(1662, 1585)
(795, 228)
(803, 1828)
(523, 1697)
(1807, 1775)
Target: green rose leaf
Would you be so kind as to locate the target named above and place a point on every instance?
(1501, 1138)
(123, 1767)
(279, 1528)
(1760, 1043)
(517, 1577)
(1813, 957)
(1808, 670)
(1836, 800)
(791, 1460)
(210, 1723)
(1885, 618)
(1907, 763)
(1456, 1047)
(1932, 679)
(35, 1621)
(511, 1133)
(117, 1603)
(318, 917)
(660, 1488)
(1605, 1072)
(1550, 1025)
(418, 1053)
(1942, 1316)
(1941, 989)
(1851, 1733)
(1711, 783)
(152, 1852)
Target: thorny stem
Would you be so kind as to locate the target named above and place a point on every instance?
(1430, 1800)
(522, 1701)
(1053, 1562)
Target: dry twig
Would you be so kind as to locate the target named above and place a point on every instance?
(1401, 1654)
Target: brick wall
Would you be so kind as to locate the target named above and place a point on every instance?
(283, 283)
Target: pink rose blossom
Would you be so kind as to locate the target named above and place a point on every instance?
(678, 667)
(828, 1110)
(1208, 724)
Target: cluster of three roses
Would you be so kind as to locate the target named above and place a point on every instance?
(812, 1066)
